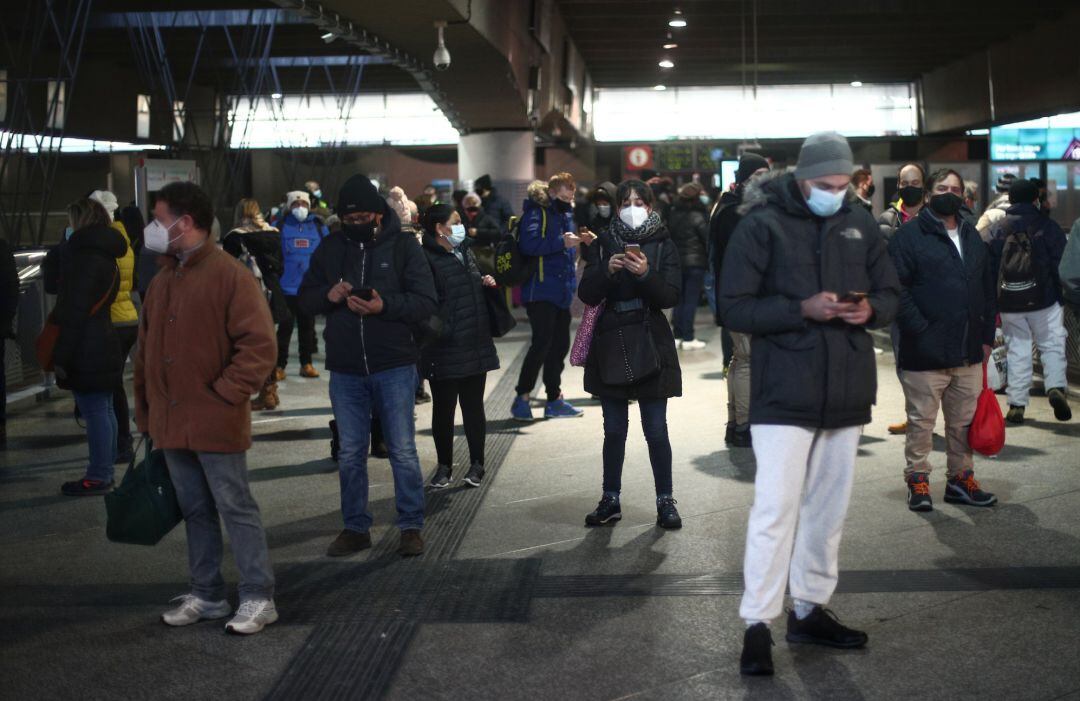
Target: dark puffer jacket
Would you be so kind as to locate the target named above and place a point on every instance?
(265, 245)
(394, 265)
(465, 347)
(722, 222)
(87, 354)
(1047, 248)
(805, 373)
(690, 232)
(658, 290)
(947, 306)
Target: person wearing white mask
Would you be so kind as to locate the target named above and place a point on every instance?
(635, 274)
(806, 273)
(457, 362)
(301, 234)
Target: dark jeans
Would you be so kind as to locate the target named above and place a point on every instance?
(3, 381)
(445, 396)
(548, 348)
(96, 410)
(307, 339)
(654, 425)
(392, 395)
(693, 280)
(128, 336)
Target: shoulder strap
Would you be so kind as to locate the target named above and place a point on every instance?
(101, 302)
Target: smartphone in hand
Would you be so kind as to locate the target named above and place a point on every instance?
(364, 293)
(633, 249)
(853, 297)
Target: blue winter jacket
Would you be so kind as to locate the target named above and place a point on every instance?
(540, 234)
(298, 242)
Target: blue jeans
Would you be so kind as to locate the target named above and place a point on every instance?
(693, 279)
(101, 428)
(391, 395)
(653, 424)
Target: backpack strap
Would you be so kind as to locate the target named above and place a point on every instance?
(543, 235)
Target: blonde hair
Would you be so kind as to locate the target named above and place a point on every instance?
(561, 180)
(248, 209)
(87, 212)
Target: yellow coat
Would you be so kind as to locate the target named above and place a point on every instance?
(123, 311)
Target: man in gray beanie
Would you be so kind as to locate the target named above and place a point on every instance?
(805, 275)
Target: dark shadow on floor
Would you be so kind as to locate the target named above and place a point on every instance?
(715, 375)
(735, 464)
(313, 467)
(303, 434)
(35, 502)
(310, 411)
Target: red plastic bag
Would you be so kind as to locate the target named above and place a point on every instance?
(987, 432)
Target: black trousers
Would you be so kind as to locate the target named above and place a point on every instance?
(445, 396)
(128, 336)
(548, 349)
(306, 325)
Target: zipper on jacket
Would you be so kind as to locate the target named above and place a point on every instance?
(363, 277)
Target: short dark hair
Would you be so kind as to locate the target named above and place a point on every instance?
(190, 199)
(637, 187)
(860, 176)
(940, 174)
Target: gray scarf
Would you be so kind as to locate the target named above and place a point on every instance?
(622, 234)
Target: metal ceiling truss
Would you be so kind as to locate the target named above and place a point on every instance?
(333, 23)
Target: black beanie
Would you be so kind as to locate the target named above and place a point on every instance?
(749, 164)
(483, 183)
(1023, 192)
(358, 194)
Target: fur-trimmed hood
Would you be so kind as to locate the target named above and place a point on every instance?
(757, 192)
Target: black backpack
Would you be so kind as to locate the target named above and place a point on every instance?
(512, 267)
(1019, 278)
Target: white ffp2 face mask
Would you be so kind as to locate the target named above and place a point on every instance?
(300, 213)
(156, 236)
(633, 216)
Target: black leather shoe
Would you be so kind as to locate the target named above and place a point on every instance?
(822, 627)
(756, 659)
(667, 516)
(738, 436)
(349, 542)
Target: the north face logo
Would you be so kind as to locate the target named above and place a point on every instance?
(384, 264)
(853, 234)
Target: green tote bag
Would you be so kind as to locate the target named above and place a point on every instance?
(143, 509)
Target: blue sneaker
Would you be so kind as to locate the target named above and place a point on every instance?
(561, 409)
(520, 410)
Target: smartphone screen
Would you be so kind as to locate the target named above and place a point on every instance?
(633, 249)
(363, 293)
(853, 297)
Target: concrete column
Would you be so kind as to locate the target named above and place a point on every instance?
(507, 156)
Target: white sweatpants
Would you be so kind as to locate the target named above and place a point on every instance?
(1046, 328)
(801, 495)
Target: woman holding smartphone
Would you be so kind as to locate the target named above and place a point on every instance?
(635, 275)
(457, 363)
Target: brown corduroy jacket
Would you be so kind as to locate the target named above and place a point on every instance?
(206, 344)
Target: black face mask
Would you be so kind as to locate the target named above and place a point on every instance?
(870, 191)
(562, 206)
(947, 204)
(360, 233)
(912, 195)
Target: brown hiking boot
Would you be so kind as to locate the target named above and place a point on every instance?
(279, 374)
(411, 543)
(267, 399)
(349, 542)
(309, 371)
(898, 429)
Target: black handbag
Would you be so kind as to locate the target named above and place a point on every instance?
(500, 320)
(143, 509)
(627, 353)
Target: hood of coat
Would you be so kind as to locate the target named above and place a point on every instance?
(1025, 211)
(101, 238)
(777, 187)
(606, 189)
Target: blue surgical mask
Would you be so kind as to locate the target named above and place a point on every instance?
(68, 232)
(825, 204)
(704, 199)
(318, 193)
(457, 235)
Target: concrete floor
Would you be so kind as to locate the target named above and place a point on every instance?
(516, 599)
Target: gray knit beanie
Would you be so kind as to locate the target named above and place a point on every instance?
(824, 153)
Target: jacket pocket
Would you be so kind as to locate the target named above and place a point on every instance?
(859, 373)
(792, 371)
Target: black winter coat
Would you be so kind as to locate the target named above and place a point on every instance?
(395, 266)
(804, 373)
(496, 207)
(689, 229)
(722, 222)
(265, 245)
(83, 272)
(659, 290)
(9, 291)
(1047, 248)
(483, 244)
(947, 305)
(465, 347)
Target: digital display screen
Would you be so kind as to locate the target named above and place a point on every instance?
(1048, 139)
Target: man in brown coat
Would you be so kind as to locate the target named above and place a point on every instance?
(206, 344)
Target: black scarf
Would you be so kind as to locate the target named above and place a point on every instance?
(622, 234)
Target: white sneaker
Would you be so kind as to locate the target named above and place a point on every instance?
(192, 609)
(692, 345)
(678, 344)
(252, 616)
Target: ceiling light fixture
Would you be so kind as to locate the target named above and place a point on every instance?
(275, 95)
(666, 63)
(671, 45)
(677, 20)
(659, 88)
(856, 83)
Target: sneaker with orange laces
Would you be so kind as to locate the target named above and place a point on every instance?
(918, 498)
(898, 429)
(963, 489)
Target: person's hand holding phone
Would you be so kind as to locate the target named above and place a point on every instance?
(586, 236)
(365, 302)
(616, 263)
(570, 239)
(636, 262)
(339, 292)
(854, 308)
(488, 281)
